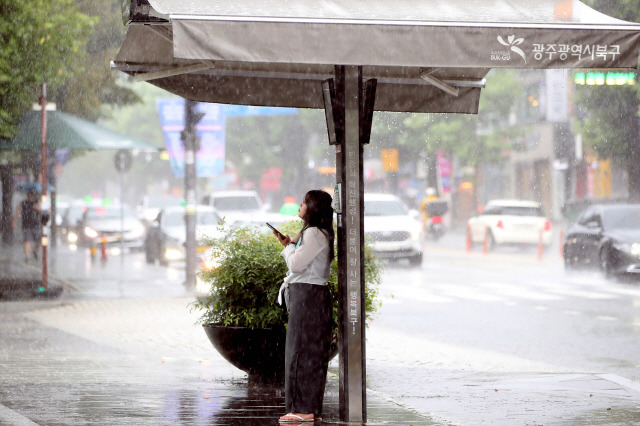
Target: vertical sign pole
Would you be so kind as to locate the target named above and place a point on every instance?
(43, 105)
(353, 230)
(189, 139)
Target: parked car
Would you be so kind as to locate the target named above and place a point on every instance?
(117, 225)
(166, 235)
(510, 222)
(395, 233)
(605, 237)
(235, 205)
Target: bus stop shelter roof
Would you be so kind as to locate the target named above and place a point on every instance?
(427, 55)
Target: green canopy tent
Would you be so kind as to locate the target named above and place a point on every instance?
(64, 131)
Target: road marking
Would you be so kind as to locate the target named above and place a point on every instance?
(518, 291)
(592, 295)
(622, 381)
(10, 417)
(606, 318)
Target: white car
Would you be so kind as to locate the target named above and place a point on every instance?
(235, 205)
(394, 232)
(167, 233)
(510, 222)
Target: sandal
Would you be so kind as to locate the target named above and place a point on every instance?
(294, 418)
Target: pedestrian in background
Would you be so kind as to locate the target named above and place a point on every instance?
(308, 256)
(30, 213)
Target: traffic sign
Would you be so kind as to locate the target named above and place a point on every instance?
(123, 160)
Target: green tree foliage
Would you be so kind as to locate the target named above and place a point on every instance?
(610, 124)
(94, 84)
(458, 134)
(42, 41)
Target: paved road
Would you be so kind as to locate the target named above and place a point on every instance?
(505, 335)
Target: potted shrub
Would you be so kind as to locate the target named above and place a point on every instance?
(240, 314)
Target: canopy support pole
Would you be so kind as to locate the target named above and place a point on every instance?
(349, 113)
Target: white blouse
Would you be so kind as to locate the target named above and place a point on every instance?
(309, 262)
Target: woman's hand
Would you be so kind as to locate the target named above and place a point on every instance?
(284, 239)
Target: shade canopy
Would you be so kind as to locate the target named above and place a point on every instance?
(427, 55)
(66, 131)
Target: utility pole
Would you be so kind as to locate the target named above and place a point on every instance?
(191, 146)
(43, 104)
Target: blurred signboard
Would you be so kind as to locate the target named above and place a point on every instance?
(390, 160)
(244, 110)
(444, 170)
(605, 78)
(557, 110)
(211, 131)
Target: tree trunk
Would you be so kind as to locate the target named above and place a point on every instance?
(6, 179)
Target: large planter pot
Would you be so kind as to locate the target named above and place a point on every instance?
(257, 351)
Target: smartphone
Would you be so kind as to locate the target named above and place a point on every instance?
(272, 227)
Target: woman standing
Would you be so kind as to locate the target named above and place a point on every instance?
(308, 256)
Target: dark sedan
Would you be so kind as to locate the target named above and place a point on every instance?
(607, 237)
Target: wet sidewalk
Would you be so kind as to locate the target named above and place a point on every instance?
(129, 361)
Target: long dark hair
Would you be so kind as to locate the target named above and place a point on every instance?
(320, 214)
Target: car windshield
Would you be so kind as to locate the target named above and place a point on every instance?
(514, 211)
(203, 218)
(101, 213)
(384, 208)
(622, 218)
(236, 203)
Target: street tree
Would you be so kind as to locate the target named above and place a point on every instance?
(42, 42)
(610, 113)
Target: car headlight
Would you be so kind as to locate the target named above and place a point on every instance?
(89, 232)
(631, 248)
(72, 237)
(173, 253)
(209, 263)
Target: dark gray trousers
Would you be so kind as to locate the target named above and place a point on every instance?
(307, 347)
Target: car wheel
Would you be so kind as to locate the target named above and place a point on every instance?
(415, 260)
(569, 263)
(605, 265)
(491, 242)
